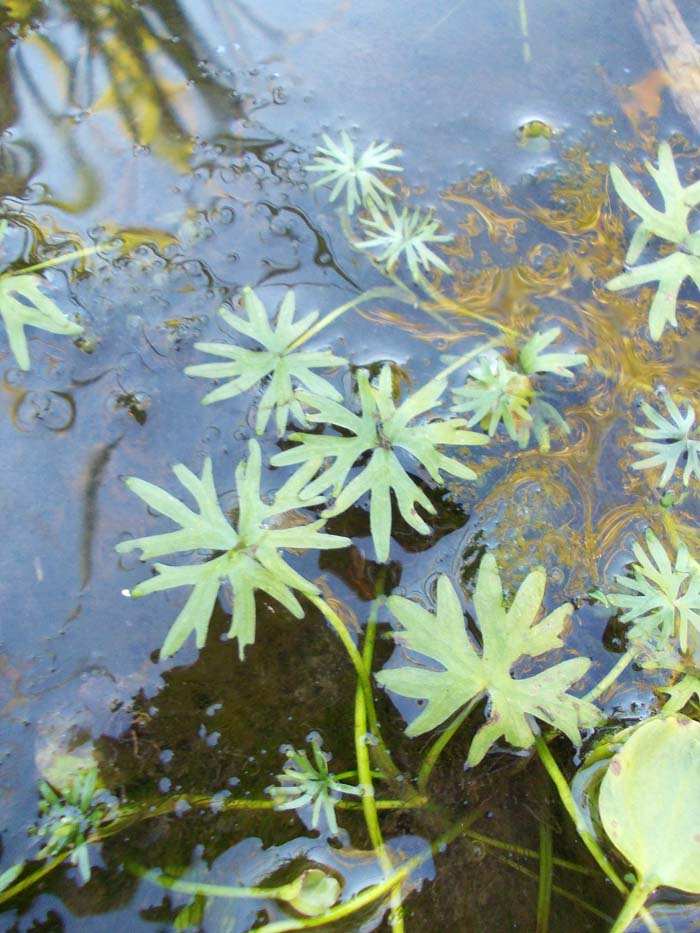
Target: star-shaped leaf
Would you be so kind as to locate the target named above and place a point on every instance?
(381, 429)
(660, 599)
(493, 393)
(451, 672)
(251, 558)
(277, 362)
(681, 692)
(355, 173)
(668, 441)
(407, 234)
(22, 305)
(535, 358)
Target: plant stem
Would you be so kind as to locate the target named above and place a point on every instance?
(450, 304)
(336, 313)
(58, 260)
(440, 743)
(633, 905)
(29, 880)
(281, 893)
(620, 665)
(376, 891)
(364, 772)
(528, 853)
(562, 892)
(527, 54)
(544, 884)
(571, 808)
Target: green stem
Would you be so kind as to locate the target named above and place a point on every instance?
(562, 892)
(58, 260)
(572, 809)
(336, 313)
(544, 883)
(522, 9)
(35, 876)
(451, 305)
(284, 892)
(633, 905)
(528, 853)
(440, 743)
(620, 665)
(377, 891)
(364, 772)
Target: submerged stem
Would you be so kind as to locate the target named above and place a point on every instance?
(633, 905)
(440, 744)
(620, 665)
(341, 309)
(58, 260)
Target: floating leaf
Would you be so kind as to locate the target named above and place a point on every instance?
(251, 560)
(534, 359)
(680, 693)
(22, 305)
(669, 441)
(650, 808)
(493, 393)
(662, 599)
(381, 428)
(355, 174)
(318, 892)
(277, 362)
(454, 673)
(670, 224)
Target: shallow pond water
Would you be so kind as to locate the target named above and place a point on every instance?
(174, 137)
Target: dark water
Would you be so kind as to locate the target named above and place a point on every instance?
(183, 128)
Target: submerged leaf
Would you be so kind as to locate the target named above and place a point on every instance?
(660, 600)
(22, 305)
(251, 560)
(355, 173)
(454, 673)
(381, 429)
(278, 362)
(668, 441)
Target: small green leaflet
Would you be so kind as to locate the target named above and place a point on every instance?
(23, 305)
(381, 428)
(454, 673)
(247, 368)
(535, 358)
(681, 692)
(251, 560)
(668, 441)
(660, 600)
(670, 224)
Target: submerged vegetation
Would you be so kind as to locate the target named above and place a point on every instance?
(484, 664)
(509, 655)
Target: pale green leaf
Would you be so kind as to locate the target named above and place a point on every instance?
(22, 305)
(649, 803)
(355, 174)
(453, 672)
(668, 441)
(406, 234)
(278, 363)
(251, 560)
(681, 693)
(380, 430)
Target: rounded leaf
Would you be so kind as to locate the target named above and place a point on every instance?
(317, 893)
(650, 805)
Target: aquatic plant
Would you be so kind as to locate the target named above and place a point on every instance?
(355, 174)
(660, 600)
(449, 674)
(69, 816)
(671, 224)
(278, 362)
(381, 429)
(406, 235)
(494, 392)
(251, 558)
(657, 766)
(669, 441)
(304, 783)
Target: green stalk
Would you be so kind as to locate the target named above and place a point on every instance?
(562, 892)
(454, 306)
(572, 809)
(620, 665)
(528, 853)
(439, 745)
(283, 892)
(633, 905)
(377, 891)
(522, 9)
(58, 260)
(336, 313)
(364, 773)
(35, 876)
(544, 884)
